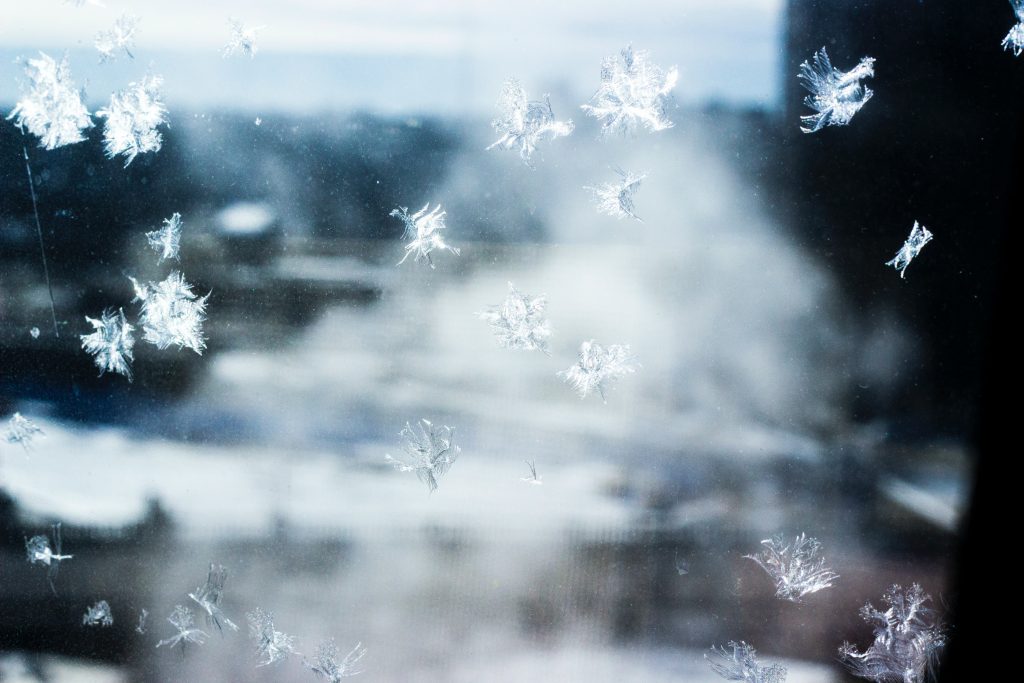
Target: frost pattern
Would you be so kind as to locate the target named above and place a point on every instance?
(328, 664)
(519, 321)
(40, 551)
(52, 109)
(271, 645)
(208, 597)
(796, 569)
(633, 93)
(534, 478)
(616, 199)
(132, 119)
(524, 123)
(121, 36)
(171, 313)
(111, 343)
(1014, 40)
(184, 622)
(98, 615)
(742, 665)
(167, 239)
(429, 452)
(907, 639)
(682, 566)
(423, 230)
(21, 430)
(141, 626)
(919, 236)
(243, 38)
(598, 367)
(835, 95)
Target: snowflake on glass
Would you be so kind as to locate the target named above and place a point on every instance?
(598, 367)
(616, 199)
(132, 119)
(140, 627)
(271, 645)
(1014, 40)
(633, 93)
(429, 452)
(796, 569)
(682, 565)
(243, 39)
(327, 663)
(919, 236)
(741, 665)
(423, 230)
(534, 478)
(524, 123)
(519, 321)
(121, 36)
(21, 430)
(208, 597)
(40, 551)
(907, 639)
(52, 109)
(836, 95)
(111, 343)
(98, 615)
(184, 622)
(171, 313)
(167, 239)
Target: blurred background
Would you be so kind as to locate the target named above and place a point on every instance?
(790, 381)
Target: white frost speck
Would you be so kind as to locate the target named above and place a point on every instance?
(1014, 40)
(242, 40)
(133, 116)
(208, 597)
(111, 343)
(519, 321)
(741, 665)
(835, 95)
(598, 367)
(524, 123)
(98, 615)
(52, 107)
(172, 315)
(616, 199)
(919, 236)
(121, 36)
(167, 239)
(423, 230)
(633, 93)
(328, 663)
(183, 622)
(796, 569)
(429, 452)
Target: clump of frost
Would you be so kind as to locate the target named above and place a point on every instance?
(519, 321)
(40, 551)
(1014, 40)
(98, 615)
(242, 40)
(836, 95)
(52, 107)
(524, 123)
(140, 627)
(328, 663)
(429, 452)
(21, 430)
(534, 478)
(598, 367)
(184, 623)
(633, 93)
(34, 332)
(121, 36)
(682, 566)
(907, 639)
(919, 236)
(167, 239)
(132, 119)
(208, 597)
(172, 315)
(111, 342)
(796, 569)
(271, 644)
(423, 230)
(741, 665)
(616, 199)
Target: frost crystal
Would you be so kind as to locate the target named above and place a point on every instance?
(598, 367)
(182, 620)
(423, 230)
(429, 452)
(34, 332)
(1014, 40)
(111, 343)
(907, 639)
(98, 615)
(132, 118)
(742, 665)
(208, 597)
(519, 321)
(121, 36)
(22, 430)
(616, 199)
(796, 569)
(171, 313)
(326, 662)
(919, 236)
(523, 123)
(167, 239)
(141, 626)
(534, 478)
(271, 645)
(835, 95)
(52, 109)
(682, 566)
(243, 39)
(633, 92)
(40, 551)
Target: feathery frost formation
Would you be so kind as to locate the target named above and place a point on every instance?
(524, 123)
(633, 93)
(328, 663)
(208, 597)
(183, 622)
(271, 644)
(796, 569)
(242, 40)
(519, 321)
(52, 107)
(111, 343)
(121, 36)
(429, 452)
(836, 95)
(140, 627)
(423, 230)
(167, 239)
(742, 665)
(919, 236)
(598, 367)
(21, 430)
(171, 313)
(534, 478)
(40, 551)
(616, 199)
(1014, 40)
(132, 119)
(98, 615)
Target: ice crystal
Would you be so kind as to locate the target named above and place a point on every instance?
(328, 663)
(40, 551)
(919, 236)
(429, 452)
(183, 621)
(836, 95)
(132, 119)
(121, 36)
(208, 597)
(519, 321)
(167, 239)
(524, 123)
(796, 569)
(616, 199)
(423, 230)
(52, 109)
(682, 566)
(243, 39)
(141, 626)
(34, 332)
(633, 93)
(742, 665)
(271, 645)
(21, 430)
(534, 478)
(907, 639)
(598, 367)
(111, 343)
(98, 615)
(1014, 40)
(171, 313)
